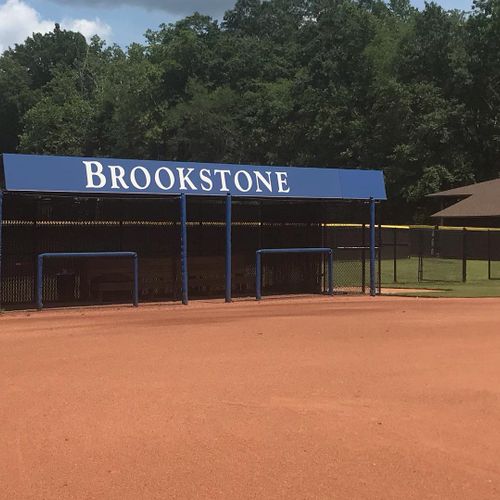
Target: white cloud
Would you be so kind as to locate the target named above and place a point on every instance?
(18, 21)
(88, 28)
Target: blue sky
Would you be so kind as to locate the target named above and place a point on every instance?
(128, 22)
(118, 21)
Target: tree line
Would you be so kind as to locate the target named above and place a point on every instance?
(353, 83)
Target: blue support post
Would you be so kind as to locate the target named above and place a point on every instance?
(1, 224)
(258, 275)
(184, 259)
(228, 248)
(136, 281)
(330, 272)
(39, 283)
(373, 290)
(53, 255)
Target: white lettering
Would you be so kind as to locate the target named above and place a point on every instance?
(133, 178)
(282, 178)
(223, 174)
(205, 175)
(170, 175)
(184, 179)
(117, 174)
(94, 173)
(237, 182)
(267, 182)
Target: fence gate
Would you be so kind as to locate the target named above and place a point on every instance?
(442, 254)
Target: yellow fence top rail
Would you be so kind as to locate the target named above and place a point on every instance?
(417, 226)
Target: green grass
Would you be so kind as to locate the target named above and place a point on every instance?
(443, 275)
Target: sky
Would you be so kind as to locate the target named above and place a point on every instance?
(116, 21)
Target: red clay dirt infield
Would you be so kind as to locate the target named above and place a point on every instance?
(385, 398)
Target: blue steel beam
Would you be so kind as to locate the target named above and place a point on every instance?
(184, 258)
(294, 250)
(228, 248)
(373, 290)
(53, 255)
(258, 264)
(330, 273)
(258, 275)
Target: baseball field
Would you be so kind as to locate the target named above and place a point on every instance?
(344, 397)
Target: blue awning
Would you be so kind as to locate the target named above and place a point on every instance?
(94, 176)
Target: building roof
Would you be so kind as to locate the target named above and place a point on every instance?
(480, 200)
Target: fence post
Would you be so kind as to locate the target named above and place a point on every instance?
(323, 279)
(260, 242)
(1, 225)
(184, 260)
(379, 263)
(258, 276)
(35, 252)
(464, 255)
(395, 254)
(420, 271)
(373, 290)
(136, 280)
(489, 254)
(363, 259)
(330, 272)
(228, 248)
(39, 283)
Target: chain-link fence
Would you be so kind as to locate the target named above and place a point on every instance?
(406, 256)
(351, 257)
(493, 246)
(151, 227)
(412, 255)
(442, 255)
(66, 224)
(398, 266)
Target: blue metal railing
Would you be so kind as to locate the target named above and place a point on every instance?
(228, 248)
(42, 256)
(373, 290)
(258, 264)
(184, 252)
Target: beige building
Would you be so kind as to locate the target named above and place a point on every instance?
(474, 205)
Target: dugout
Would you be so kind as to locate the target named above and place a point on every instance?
(195, 228)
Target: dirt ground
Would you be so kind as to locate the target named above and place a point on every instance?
(346, 398)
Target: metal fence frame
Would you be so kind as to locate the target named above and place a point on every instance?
(53, 255)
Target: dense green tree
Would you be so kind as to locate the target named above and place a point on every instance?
(128, 110)
(359, 83)
(482, 95)
(41, 54)
(26, 69)
(16, 97)
(59, 122)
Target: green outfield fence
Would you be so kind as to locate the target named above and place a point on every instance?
(420, 254)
